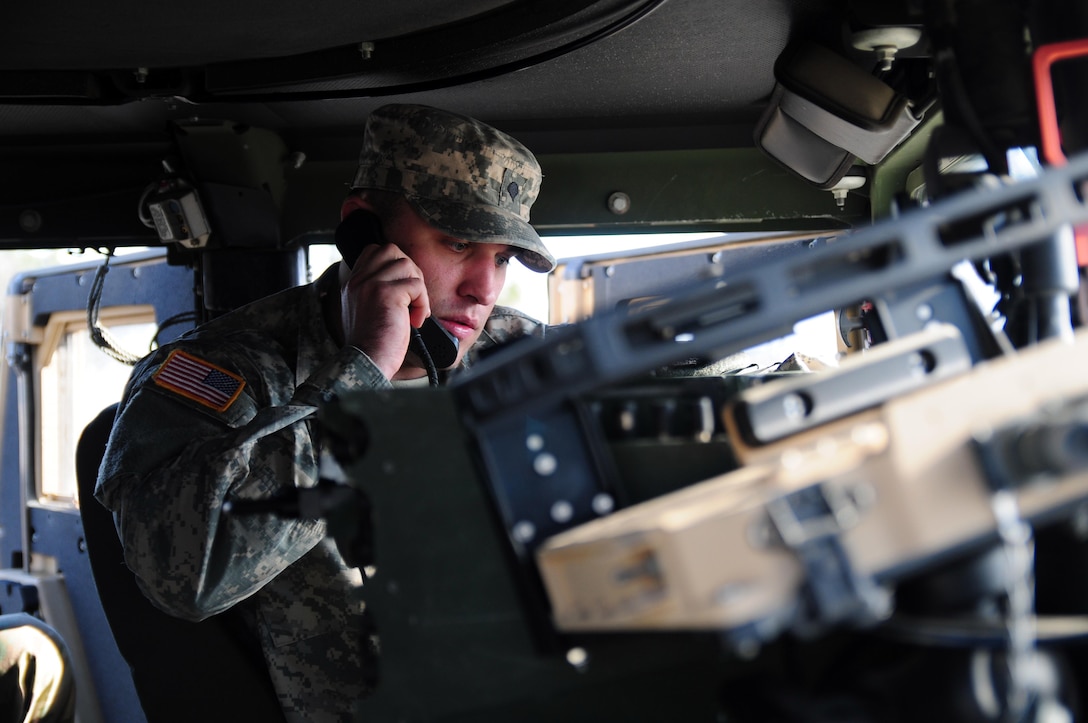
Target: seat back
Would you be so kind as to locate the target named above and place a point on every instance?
(183, 671)
(36, 680)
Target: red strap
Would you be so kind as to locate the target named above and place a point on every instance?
(1045, 56)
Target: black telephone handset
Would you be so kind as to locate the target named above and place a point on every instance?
(362, 228)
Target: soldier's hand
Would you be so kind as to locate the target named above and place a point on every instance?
(382, 300)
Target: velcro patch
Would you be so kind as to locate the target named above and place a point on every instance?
(199, 380)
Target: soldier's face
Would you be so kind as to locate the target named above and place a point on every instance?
(463, 279)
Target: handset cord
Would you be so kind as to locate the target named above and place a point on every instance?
(424, 354)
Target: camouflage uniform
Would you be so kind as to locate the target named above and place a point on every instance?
(174, 459)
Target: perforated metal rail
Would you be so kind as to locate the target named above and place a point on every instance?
(732, 313)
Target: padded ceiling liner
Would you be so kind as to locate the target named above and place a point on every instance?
(568, 74)
(177, 33)
(270, 64)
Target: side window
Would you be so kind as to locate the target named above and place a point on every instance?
(76, 381)
(639, 272)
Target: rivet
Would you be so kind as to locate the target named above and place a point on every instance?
(794, 407)
(30, 221)
(578, 658)
(603, 504)
(545, 464)
(523, 531)
(619, 203)
(562, 511)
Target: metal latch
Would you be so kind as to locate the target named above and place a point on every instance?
(810, 522)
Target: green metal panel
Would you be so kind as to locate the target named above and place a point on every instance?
(455, 615)
(890, 177)
(721, 189)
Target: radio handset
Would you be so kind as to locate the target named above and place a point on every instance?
(362, 228)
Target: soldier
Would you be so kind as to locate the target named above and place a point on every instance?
(225, 412)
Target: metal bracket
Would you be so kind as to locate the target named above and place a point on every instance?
(769, 413)
(810, 522)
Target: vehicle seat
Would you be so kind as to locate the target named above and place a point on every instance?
(183, 671)
(36, 680)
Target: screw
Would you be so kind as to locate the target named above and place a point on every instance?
(366, 49)
(747, 648)
(916, 364)
(562, 511)
(523, 531)
(603, 504)
(619, 203)
(794, 407)
(578, 658)
(886, 55)
(545, 464)
(30, 221)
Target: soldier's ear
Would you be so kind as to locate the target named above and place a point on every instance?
(354, 202)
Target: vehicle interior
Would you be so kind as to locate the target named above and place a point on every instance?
(884, 524)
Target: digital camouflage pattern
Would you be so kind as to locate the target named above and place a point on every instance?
(463, 177)
(172, 462)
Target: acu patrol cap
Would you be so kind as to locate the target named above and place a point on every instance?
(463, 177)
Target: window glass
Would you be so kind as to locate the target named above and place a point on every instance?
(78, 382)
(528, 291)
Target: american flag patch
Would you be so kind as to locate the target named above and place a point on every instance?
(198, 380)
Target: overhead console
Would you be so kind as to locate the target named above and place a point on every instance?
(826, 113)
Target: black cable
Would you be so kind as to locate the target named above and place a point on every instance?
(949, 77)
(100, 336)
(417, 346)
(180, 318)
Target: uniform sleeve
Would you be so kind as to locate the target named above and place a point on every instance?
(172, 460)
(504, 326)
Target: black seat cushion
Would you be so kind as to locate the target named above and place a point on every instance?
(183, 671)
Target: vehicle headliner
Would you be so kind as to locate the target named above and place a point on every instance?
(696, 64)
(88, 95)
